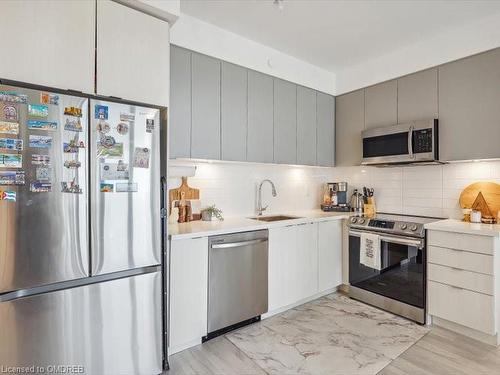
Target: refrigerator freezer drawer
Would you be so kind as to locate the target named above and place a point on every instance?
(111, 328)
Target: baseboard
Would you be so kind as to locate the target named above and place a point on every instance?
(466, 331)
(343, 288)
(300, 302)
(184, 346)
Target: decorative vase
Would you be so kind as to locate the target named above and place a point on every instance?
(206, 216)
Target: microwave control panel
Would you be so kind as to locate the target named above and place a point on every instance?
(422, 140)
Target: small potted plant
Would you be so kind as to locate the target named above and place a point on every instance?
(211, 211)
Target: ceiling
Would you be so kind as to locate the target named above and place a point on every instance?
(335, 35)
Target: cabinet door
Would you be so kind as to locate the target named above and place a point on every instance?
(281, 263)
(180, 103)
(285, 122)
(381, 104)
(132, 54)
(325, 113)
(205, 126)
(330, 254)
(234, 106)
(349, 124)
(49, 42)
(469, 110)
(304, 276)
(188, 292)
(306, 126)
(418, 96)
(260, 118)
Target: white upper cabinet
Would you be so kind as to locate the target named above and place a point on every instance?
(132, 54)
(49, 43)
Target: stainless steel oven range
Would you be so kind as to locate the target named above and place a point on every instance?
(398, 284)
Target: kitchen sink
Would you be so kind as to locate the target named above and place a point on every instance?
(274, 218)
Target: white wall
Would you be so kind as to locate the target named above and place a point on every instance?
(196, 35)
(447, 46)
(419, 190)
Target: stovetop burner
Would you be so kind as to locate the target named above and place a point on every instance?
(393, 223)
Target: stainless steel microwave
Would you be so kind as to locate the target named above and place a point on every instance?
(414, 142)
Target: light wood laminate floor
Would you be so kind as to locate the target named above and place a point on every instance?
(337, 335)
(440, 352)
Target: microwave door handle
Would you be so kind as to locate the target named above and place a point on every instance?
(410, 142)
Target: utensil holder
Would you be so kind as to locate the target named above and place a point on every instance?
(369, 208)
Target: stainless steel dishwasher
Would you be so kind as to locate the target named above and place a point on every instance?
(237, 280)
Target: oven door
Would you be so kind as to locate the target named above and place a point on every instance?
(389, 144)
(402, 275)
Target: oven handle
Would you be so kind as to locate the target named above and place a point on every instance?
(419, 243)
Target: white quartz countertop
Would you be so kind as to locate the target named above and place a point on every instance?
(244, 224)
(457, 226)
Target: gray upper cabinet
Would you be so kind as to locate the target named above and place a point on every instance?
(234, 108)
(325, 138)
(180, 103)
(306, 126)
(260, 118)
(381, 104)
(349, 125)
(469, 108)
(418, 96)
(205, 126)
(285, 122)
(219, 110)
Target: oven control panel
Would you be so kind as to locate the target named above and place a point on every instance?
(381, 224)
(387, 226)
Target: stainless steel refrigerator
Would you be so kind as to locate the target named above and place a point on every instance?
(80, 234)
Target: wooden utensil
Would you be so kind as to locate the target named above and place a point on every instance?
(182, 192)
(490, 192)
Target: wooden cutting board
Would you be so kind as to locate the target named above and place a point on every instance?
(490, 191)
(182, 192)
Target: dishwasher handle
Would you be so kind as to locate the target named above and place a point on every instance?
(238, 244)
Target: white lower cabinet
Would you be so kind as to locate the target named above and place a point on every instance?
(329, 254)
(188, 292)
(462, 286)
(305, 277)
(281, 262)
(293, 264)
(304, 260)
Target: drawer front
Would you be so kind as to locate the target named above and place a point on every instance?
(477, 282)
(459, 241)
(470, 309)
(460, 259)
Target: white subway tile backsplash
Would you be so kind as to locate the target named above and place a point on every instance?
(431, 190)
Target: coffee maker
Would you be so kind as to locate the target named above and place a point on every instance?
(335, 197)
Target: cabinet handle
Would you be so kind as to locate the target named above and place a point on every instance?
(456, 287)
(456, 269)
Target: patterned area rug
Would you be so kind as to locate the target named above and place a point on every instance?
(331, 335)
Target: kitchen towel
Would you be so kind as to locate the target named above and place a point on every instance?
(369, 251)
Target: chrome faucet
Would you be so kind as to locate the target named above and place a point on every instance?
(261, 209)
